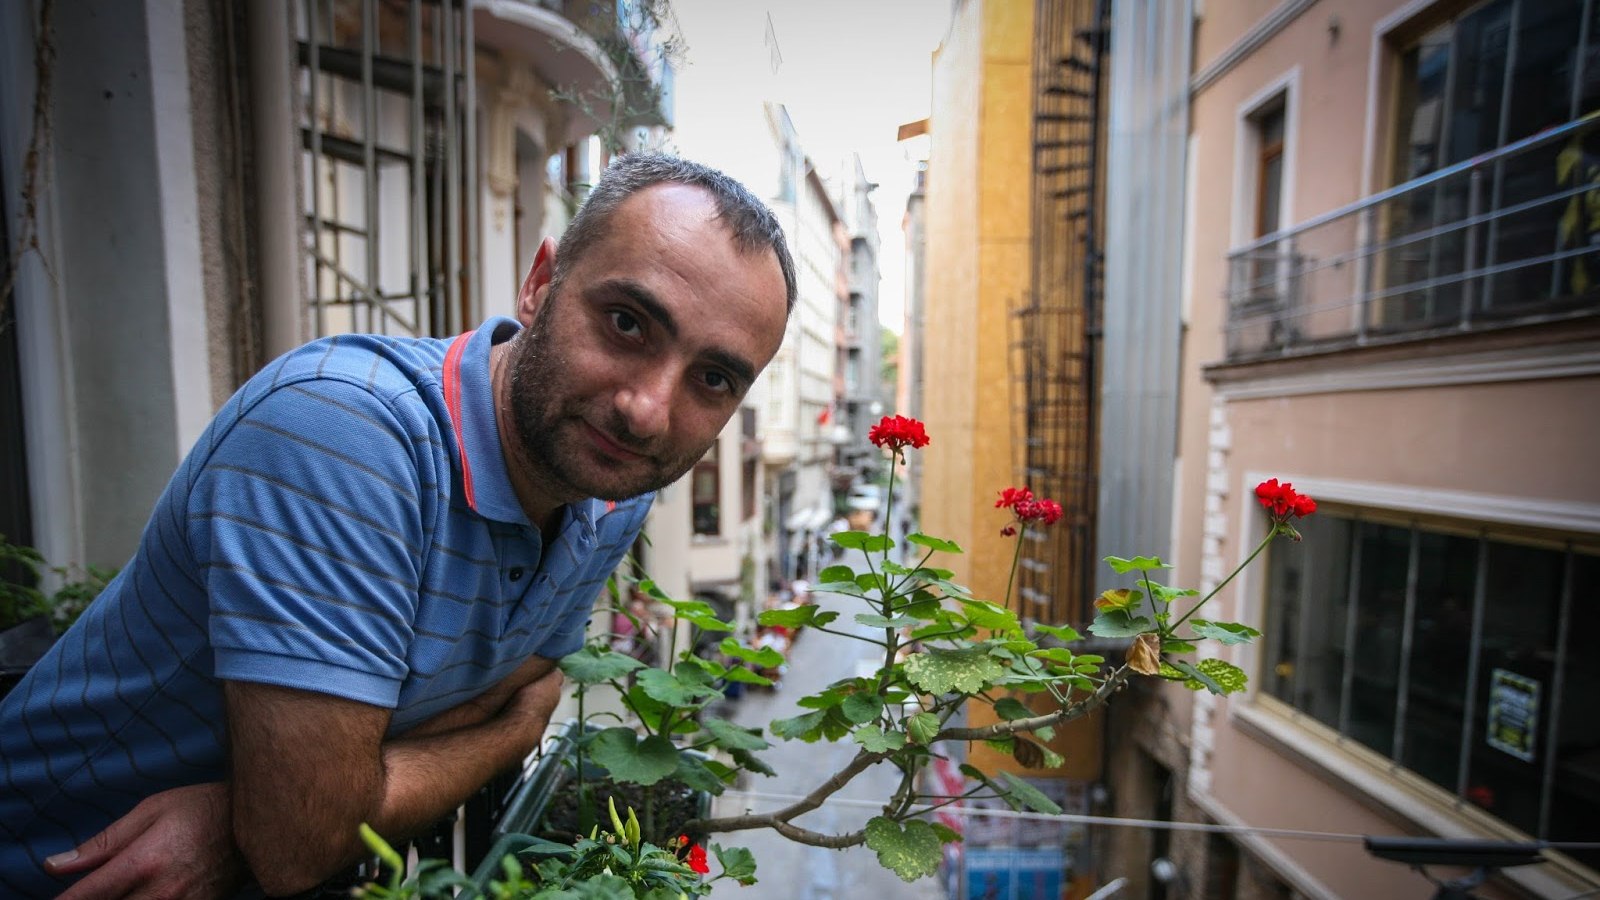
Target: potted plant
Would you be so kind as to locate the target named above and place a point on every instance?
(30, 619)
(941, 649)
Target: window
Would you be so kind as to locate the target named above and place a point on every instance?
(1269, 169)
(1453, 649)
(1499, 72)
(706, 492)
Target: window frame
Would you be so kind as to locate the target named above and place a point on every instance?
(1545, 524)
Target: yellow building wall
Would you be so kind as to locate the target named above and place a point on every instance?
(977, 250)
(979, 236)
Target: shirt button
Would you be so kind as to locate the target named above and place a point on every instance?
(515, 574)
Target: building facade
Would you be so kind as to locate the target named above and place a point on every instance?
(1387, 298)
(225, 181)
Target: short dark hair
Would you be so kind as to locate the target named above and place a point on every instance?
(754, 226)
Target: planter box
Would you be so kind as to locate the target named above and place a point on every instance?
(530, 800)
(21, 646)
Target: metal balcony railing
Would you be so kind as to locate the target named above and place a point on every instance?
(1508, 237)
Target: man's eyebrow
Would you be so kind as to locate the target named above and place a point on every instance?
(653, 308)
(739, 367)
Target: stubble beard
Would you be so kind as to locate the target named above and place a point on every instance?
(551, 430)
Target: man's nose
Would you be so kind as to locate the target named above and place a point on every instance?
(646, 402)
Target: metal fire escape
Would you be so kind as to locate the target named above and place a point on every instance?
(1056, 325)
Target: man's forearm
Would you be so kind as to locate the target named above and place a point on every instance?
(427, 777)
(302, 781)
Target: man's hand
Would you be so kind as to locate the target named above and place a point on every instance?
(488, 704)
(178, 843)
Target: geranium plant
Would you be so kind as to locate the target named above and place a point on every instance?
(941, 648)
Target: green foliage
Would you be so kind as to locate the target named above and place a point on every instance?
(21, 568)
(912, 851)
(938, 671)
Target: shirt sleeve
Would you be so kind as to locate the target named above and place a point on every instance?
(308, 521)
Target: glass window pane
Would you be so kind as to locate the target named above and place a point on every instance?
(1505, 772)
(1575, 806)
(1385, 557)
(1308, 587)
(1541, 97)
(1441, 644)
(1481, 46)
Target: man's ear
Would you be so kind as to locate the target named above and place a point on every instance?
(537, 285)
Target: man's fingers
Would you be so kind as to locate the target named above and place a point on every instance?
(103, 846)
(114, 881)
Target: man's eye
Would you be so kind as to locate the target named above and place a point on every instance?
(719, 382)
(626, 323)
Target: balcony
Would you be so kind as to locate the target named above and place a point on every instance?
(1510, 237)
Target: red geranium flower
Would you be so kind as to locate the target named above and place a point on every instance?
(1283, 501)
(895, 432)
(1011, 496)
(697, 860)
(1044, 511)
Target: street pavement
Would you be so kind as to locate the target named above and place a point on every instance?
(790, 871)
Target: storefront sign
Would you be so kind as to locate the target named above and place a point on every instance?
(1513, 713)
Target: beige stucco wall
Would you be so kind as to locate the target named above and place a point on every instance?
(1529, 439)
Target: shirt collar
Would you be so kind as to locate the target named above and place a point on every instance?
(469, 393)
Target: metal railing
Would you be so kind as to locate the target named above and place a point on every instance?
(1508, 237)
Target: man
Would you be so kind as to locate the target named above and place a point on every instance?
(347, 605)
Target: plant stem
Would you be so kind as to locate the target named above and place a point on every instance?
(1224, 583)
(1016, 555)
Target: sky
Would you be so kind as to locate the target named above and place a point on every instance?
(852, 72)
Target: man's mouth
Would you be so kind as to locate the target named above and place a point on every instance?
(609, 445)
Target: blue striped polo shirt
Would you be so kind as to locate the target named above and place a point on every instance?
(345, 525)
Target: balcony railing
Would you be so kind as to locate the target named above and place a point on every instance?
(1508, 237)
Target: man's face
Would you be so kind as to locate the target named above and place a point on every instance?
(630, 369)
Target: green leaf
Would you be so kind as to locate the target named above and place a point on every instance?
(765, 658)
(788, 618)
(912, 852)
(984, 614)
(697, 775)
(863, 541)
(876, 740)
(831, 697)
(924, 607)
(1124, 566)
(836, 573)
(1020, 791)
(946, 834)
(1010, 709)
(861, 707)
(1119, 625)
(592, 665)
(799, 726)
(630, 759)
(1162, 592)
(1173, 645)
(922, 727)
(671, 689)
(1215, 675)
(872, 621)
(1226, 632)
(745, 676)
(737, 863)
(932, 543)
(750, 761)
(734, 737)
(1064, 633)
(704, 671)
(938, 671)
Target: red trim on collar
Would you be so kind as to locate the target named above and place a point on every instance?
(452, 402)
